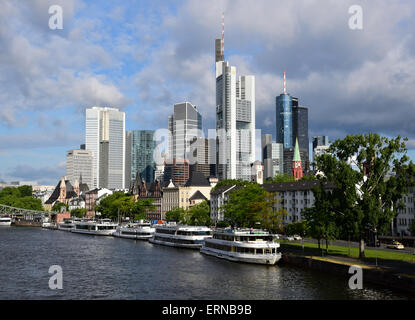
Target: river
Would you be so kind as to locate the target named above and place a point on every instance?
(97, 267)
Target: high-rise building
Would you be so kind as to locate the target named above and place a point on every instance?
(320, 145)
(203, 156)
(292, 124)
(105, 137)
(300, 132)
(79, 166)
(177, 170)
(235, 120)
(272, 157)
(140, 155)
(185, 124)
(284, 117)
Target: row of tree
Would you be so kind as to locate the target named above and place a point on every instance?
(20, 197)
(198, 215)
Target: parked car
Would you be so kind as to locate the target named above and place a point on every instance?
(396, 245)
(296, 237)
(289, 238)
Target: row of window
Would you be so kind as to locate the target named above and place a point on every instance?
(240, 249)
(405, 222)
(175, 240)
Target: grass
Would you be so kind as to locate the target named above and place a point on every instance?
(370, 254)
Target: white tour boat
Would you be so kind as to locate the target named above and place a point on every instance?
(5, 221)
(181, 236)
(243, 245)
(104, 227)
(66, 225)
(137, 231)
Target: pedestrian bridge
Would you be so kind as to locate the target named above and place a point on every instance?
(24, 214)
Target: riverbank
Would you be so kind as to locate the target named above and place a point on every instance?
(399, 278)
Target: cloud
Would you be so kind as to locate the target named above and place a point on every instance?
(44, 175)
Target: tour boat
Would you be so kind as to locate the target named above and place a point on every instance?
(102, 227)
(243, 245)
(5, 221)
(66, 225)
(181, 236)
(137, 231)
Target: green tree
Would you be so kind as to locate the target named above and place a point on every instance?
(199, 215)
(58, 205)
(271, 218)
(295, 228)
(175, 214)
(412, 228)
(79, 213)
(230, 182)
(247, 206)
(25, 191)
(371, 174)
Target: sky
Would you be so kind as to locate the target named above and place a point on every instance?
(144, 56)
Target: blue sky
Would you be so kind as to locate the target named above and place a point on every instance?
(144, 56)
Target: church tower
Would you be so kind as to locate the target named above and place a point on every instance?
(297, 170)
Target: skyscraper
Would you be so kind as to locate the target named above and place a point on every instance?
(235, 119)
(79, 164)
(105, 137)
(320, 145)
(272, 157)
(185, 124)
(284, 117)
(140, 155)
(300, 132)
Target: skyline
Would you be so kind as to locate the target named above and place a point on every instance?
(145, 59)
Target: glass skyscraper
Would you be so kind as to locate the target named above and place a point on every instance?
(140, 155)
(284, 121)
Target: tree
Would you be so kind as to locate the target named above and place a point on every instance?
(20, 197)
(295, 228)
(271, 218)
(199, 215)
(247, 206)
(57, 207)
(79, 212)
(371, 174)
(230, 182)
(175, 214)
(412, 228)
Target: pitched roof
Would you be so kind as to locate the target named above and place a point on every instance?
(222, 189)
(198, 196)
(197, 179)
(296, 151)
(56, 193)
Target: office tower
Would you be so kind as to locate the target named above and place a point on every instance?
(177, 170)
(297, 170)
(79, 164)
(272, 157)
(284, 117)
(235, 120)
(185, 124)
(300, 132)
(140, 155)
(320, 145)
(203, 156)
(105, 137)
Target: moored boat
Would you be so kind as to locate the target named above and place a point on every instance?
(104, 227)
(191, 237)
(243, 245)
(5, 221)
(137, 231)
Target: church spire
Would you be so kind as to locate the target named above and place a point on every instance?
(297, 170)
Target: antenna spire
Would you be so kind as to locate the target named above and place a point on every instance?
(223, 36)
(285, 83)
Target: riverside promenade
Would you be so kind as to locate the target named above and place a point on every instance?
(394, 274)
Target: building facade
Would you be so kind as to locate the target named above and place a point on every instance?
(272, 157)
(177, 170)
(105, 137)
(235, 120)
(79, 165)
(203, 156)
(140, 155)
(185, 124)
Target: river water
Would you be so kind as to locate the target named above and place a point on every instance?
(97, 267)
